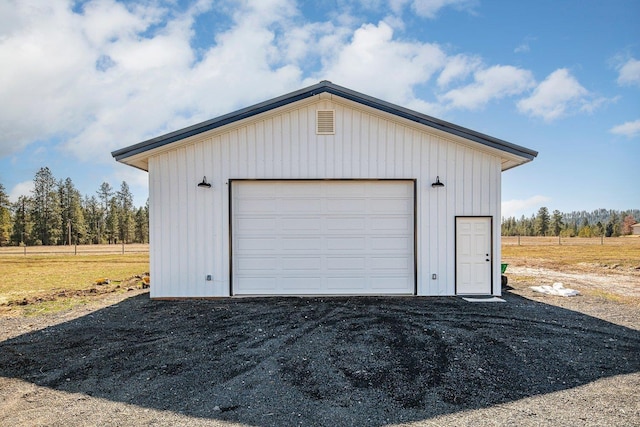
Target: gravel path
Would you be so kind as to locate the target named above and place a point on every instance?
(326, 362)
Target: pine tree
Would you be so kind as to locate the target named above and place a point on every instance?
(125, 213)
(47, 219)
(6, 225)
(142, 224)
(112, 224)
(74, 227)
(612, 228)
(105, 193)
(556, 222)
(93, 218)
(22, 224)
(542, 221)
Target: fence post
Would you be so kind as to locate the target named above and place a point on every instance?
(518, 240)
(122, 247)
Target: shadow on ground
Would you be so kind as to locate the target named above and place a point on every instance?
(321, 361)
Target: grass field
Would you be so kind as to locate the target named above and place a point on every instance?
(577, 252)
(56, 281)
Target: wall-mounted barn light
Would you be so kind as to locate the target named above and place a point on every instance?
(204, 183)
(437, 184)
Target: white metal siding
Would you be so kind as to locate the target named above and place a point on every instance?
(322, 237)
(190, 225)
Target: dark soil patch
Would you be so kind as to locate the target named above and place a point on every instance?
(322, 361)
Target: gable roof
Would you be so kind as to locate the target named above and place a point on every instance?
(525, 154)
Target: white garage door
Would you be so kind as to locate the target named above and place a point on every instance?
(322, 237)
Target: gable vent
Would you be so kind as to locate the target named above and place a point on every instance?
(325, 122)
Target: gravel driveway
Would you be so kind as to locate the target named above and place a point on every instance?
(323, 361)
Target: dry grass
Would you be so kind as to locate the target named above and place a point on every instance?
(608, 272)
(51, 279)
(616, 253)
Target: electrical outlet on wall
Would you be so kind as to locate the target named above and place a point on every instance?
(434, 276)
(209, 278)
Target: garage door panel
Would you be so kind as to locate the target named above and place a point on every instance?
(390, 206)
(300, 264)
(390, 243)
(346, 206)
(297, 205)
(347, 189)
(389, 284)
(346, 284)
(256, 225)
(255, 192)
(312, 224)
(258, 205)
(346, 263)
(256, 285)
(400, 264)
(346, 243)
(298, 189)
(303, 285)
(255, 244)
(345, 223)
(392, 224)
(324, 237)
(313, 244)
(257, 263)
(391, 189)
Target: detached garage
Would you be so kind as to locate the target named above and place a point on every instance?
(324, 191)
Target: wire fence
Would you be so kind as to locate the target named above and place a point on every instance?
(140, 248)
(132, 248)
(569, 241)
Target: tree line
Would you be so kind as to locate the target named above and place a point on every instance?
(57, 214)
(601, 222)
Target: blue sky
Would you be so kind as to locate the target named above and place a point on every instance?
(81, 79)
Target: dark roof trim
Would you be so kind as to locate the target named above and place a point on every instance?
(324, 86)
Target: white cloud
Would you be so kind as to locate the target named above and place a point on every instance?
(458, 67)
(490, 83)
(556, 96)
(112, 75)
(106, 20)
(525, 47)
(430, 8)
(629, 73)
(373, 52)
(21, 189)
(628, 129)
(518, 207)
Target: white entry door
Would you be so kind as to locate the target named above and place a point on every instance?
(323, 237)
(473, 255)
